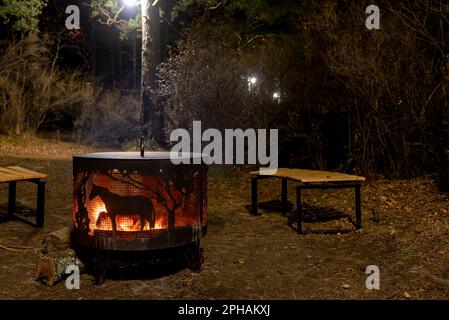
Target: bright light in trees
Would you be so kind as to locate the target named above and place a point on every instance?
(277, 96)
(252, 80)
(130, 3)
(251, 83)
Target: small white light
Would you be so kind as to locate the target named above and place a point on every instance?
(276, 95)
(130, 3)
(253, 80)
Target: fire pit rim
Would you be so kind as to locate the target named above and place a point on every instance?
(149, 156)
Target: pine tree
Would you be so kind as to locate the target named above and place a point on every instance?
(23, 15)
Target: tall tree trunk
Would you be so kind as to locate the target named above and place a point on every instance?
(444, 156)
(166, 6)
(151, 56)
(119, 77)
(134, 61)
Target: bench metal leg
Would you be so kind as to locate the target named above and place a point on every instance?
(40, 203)
(358, 200)
(284, 195)
(40, 207)
(299, 209)
(358, 207)
(254, 195)
(12, 198)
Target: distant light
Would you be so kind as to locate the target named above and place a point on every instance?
(130, 3)
(252, 83)
(252, 80)
(276, 95)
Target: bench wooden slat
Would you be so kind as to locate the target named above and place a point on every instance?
(6, 177)
(34, 174)
(15, 173)
(309, 176)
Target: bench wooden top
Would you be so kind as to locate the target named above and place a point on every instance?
(308, 176)
(8, 174)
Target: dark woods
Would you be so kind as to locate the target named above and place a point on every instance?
(343, 97)
(349, 96)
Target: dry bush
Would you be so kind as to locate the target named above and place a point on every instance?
(349, 95)
(204, 75)
(394, 111)
(32, 88)
(34, 92)
(111, 118)
(206, 79)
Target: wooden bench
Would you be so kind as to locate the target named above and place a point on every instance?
(308, 179)
(12, 175)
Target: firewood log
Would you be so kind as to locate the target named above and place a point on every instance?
(51, 268)
(56, 241)
(57, 256)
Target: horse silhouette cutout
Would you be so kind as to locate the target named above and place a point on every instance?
(124, 206)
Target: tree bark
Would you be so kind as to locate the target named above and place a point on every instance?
(166, 6)
(134, 61)
(444, 152)
(152, 120)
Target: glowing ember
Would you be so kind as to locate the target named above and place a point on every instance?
(100, 220)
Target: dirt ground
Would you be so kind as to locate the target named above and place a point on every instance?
(250, 257)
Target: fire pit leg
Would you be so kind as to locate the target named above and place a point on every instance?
(12, 199)
(99, 268)
(299, 209)
(284, 196)
(254, 195)
(195, 257)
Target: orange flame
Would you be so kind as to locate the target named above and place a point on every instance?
(100, 220)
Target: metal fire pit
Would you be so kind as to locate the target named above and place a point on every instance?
(127, 203)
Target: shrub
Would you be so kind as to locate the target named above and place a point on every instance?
(32, 87)
(111, 118)
(35, 93)
(348, 96)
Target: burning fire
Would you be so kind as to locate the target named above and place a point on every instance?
(100, 220)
